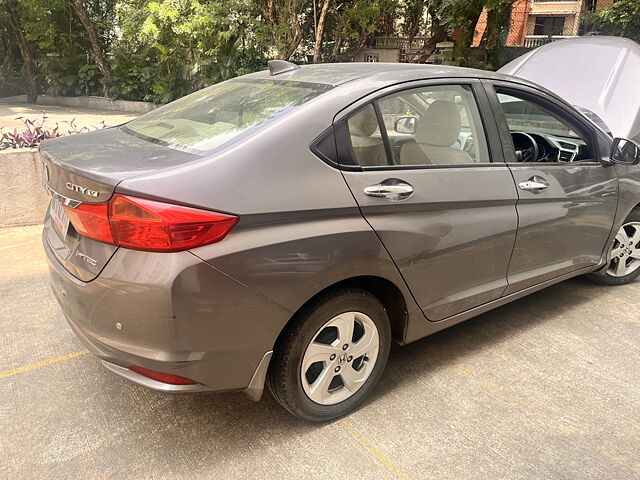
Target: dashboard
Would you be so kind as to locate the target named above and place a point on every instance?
(537, 147)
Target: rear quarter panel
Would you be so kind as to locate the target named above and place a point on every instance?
(300, 229)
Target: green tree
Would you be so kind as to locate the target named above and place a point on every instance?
(172, 47)
(92, 33)
(15, 35)
(281, 23)
(620, 20)
(353, 23)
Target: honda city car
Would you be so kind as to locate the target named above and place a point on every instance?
(282, 228)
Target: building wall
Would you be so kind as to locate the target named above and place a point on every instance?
(524, 13)
(517, 28)
(570, 10)
(604, 4)
(555, 8)
(381, 54)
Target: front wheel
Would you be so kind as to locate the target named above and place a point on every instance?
(624, 263)
(332, 355)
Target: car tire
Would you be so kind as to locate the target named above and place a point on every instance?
(610, 275)
(320, 389)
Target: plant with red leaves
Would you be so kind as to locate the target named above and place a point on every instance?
(35, 132)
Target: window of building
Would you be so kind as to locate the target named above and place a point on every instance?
(549, 26)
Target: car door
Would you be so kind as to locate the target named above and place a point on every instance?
(440, 198)
(566, 198)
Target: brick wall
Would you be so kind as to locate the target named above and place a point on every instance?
(517, 28)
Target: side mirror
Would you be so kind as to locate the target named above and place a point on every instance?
(406, 125)
(625, 152)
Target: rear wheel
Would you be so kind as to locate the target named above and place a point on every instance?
(624, 264)
(332, 355)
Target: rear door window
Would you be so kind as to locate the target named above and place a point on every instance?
(366, 140)
(431, 125)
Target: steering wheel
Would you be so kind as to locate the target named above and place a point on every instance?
(526, 145)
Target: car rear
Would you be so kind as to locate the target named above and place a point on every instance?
(123, 255)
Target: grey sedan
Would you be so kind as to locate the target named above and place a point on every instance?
(284, 227)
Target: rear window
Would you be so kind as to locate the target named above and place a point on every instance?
(213, 116)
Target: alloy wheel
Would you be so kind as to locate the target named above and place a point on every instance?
(340, 358)
(625, 255)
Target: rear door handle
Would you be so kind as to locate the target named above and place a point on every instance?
(535, 184)
(391, 189)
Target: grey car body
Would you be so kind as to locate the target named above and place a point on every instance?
(466, 241)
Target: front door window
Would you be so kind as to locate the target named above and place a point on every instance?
(540, 136)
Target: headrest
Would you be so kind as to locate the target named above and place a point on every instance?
(363, 123)
(440, 125)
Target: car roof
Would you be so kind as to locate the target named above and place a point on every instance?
(339, 73)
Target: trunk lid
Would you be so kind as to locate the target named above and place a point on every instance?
(86, 169)
(599, 75)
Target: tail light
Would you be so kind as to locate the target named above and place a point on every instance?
(142, 224)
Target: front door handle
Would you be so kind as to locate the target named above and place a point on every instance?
(391, 189)
(535, 184)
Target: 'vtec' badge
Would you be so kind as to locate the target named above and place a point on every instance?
(86, 258)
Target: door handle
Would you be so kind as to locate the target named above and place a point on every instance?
(535, 184)
(391, 189)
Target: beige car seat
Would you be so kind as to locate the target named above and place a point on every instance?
(369, 151)
(435, 133)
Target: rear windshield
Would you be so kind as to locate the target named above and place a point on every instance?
(213, 116)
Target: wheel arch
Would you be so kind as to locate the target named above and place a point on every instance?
(389, 294)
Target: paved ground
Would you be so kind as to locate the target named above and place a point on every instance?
(545, 388)
(84, 117)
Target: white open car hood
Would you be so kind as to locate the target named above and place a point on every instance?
(599, 75)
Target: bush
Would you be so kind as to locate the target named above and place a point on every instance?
(620, 20)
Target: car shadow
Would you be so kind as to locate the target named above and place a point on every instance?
(454, 344)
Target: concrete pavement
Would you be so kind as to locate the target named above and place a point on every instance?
(84, 117)
(547, 387)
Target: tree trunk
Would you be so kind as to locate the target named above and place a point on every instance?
(96, 48)
(362, 42)
(30, 69)
(468, 31)
(498, 20)
(336, 49)
(7, 62)
(296, 35)
(438, 34)
(317, 50)
(286, 43)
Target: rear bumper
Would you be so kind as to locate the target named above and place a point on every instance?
(171, 313)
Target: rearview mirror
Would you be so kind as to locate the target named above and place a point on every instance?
(625, 151)
(406, 125)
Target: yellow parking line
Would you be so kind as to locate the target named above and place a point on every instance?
(43, 363)
(346, 426)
